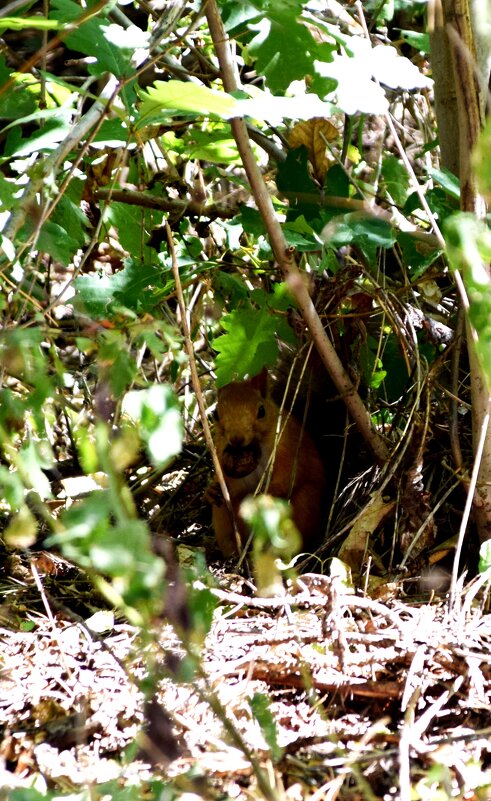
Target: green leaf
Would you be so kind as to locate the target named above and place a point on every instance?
(368, 233)
(69, 216)
(216, 146)
(112, 133)
(485, 556)
(417, 39)
(481, 160)
(201, 605)
(283, 48)
(295, 239)
(33, 460)
(417, 254)
(164, 96)
(103, 296)
(260, 706)
(236, 16)
(56, 241)
(21, 99)
(294, 180)
(371, 366)
(337, 182)
(395, 179)
(121, 552)
(469, 251)
(229, 286)
(118, 361)
(447, 180)
(22, 529)
(439, 201)
(251, 221)
(7, 191)
(248, 346)
(22, 356)
(46, 138)
(157, 413)
(12, 488)
(111, 45)
(134, 225)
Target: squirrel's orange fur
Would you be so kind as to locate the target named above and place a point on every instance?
(251, 454)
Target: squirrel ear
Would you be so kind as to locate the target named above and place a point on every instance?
(260, 382)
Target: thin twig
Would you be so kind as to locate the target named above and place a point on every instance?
(132, 197)
(196, 383)
(454, 411)
(468, 505)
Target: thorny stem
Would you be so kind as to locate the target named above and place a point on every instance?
(283, 255)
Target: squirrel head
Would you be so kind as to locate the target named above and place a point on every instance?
(245, 413)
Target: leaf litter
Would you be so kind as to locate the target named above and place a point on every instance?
(361, 693)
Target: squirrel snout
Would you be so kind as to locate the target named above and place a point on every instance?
(236, 440)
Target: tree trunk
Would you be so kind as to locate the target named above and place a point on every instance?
(460, 61)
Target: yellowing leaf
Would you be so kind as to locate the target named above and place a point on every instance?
(22, 529)
(177, 95)
(314, 134)
(356, 545)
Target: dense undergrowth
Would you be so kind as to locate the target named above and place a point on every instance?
(145, 262)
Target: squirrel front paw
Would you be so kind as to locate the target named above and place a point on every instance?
(213, 494)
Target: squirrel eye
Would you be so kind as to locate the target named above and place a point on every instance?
(261, 412)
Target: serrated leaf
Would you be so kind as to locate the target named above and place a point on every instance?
(283, 48)
(248, 346)
(56, 241)
(132, 224)
(179, 96)
(112, 49)
(99, 295)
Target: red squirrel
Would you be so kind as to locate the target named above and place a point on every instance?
(252, 455)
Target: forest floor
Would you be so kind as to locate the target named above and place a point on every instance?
(320, 693)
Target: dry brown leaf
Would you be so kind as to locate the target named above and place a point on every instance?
(314, 134)
(355, 546)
